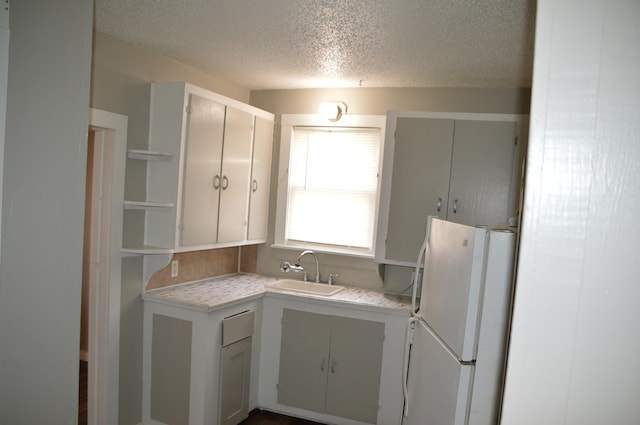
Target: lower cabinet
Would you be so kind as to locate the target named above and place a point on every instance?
(331, 364)
(235, 367)
(200, 367)
(321, 361)
(170, 370)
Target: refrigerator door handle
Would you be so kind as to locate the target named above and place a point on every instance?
(423, 248)
(405, 363)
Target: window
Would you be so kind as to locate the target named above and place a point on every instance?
(329, 183)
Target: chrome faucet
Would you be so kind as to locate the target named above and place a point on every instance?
(317, 264)
(285, 267)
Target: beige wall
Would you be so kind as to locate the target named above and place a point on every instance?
(375, 101)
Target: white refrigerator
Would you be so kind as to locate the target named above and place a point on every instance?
(455, 345)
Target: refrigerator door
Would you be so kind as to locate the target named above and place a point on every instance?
(487, 388)
(438, 385)
(452, 284)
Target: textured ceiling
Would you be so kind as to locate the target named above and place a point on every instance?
(285, 44)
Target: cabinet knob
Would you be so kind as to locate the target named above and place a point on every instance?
(333, 366)
(322, 365)
(439, 204)
(255, 185)
(455, 206)
(216, 182)
(225, 182)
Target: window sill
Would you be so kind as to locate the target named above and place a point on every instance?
(319, 249)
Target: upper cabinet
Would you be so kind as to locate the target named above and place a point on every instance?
(201, 180)
(460, 167)
(212, 170)
(260, 179)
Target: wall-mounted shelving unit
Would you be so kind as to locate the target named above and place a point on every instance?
(146, 206)
(196, 195)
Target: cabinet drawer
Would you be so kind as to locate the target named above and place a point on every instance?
(237, 327)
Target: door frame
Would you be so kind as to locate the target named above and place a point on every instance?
(104, 305)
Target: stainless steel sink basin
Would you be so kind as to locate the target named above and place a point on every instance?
(306, 287)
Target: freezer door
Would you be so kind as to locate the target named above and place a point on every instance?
(438, 385)
(452, 283)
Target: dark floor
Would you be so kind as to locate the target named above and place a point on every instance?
(82, 394)
(264, 417)
(256, 417)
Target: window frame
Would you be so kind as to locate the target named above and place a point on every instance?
(287, 124)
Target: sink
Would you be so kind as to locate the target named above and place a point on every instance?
(306, 287)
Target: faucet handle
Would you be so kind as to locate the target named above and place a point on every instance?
(285, 266)
(331, 277)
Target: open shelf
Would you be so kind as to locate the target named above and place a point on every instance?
(146, 155)
(146, 249)
(143, 205)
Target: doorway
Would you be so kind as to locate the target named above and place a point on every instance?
(100, 310)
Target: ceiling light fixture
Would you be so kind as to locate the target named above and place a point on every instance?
(333, 111)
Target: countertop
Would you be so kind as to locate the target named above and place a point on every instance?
(214, 293)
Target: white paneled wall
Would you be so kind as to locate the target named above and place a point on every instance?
(4, 65)
(575, 339)
(43, 209)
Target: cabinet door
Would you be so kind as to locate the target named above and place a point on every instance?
(304, 359)
(170, 357)
(420, 183)
(234, 185)
(260, 178)
(201, 176)
(235, 374)
(353, 385)
(481, 174)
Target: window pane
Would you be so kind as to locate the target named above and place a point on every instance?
(333, 180)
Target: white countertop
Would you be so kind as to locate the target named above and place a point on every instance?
(214, 293)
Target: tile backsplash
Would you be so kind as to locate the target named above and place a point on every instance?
(197, 265)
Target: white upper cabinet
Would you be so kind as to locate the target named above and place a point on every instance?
(235, 176)
(260, 179)
(202, 165)
(203, 177)
(460, 167)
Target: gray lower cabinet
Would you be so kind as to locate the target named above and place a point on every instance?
(200, 367)
(235, 374)
(331, 364)
(235, 367)
(170, 370)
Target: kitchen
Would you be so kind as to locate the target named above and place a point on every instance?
(372, 101)
(136, 101)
